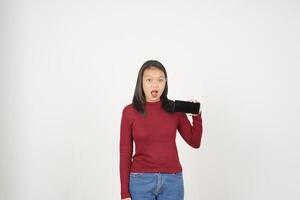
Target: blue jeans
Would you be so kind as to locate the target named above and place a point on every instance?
(156, 186)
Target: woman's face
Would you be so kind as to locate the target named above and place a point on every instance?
(154, 82)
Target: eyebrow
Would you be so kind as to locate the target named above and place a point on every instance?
(151, 76)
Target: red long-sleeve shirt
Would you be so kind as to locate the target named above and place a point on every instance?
(154, 138)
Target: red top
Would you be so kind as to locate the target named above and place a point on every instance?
(154, 138)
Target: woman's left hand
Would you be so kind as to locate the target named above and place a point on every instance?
(194, 101)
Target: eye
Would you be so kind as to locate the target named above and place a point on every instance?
(161, 80)
(148, 80)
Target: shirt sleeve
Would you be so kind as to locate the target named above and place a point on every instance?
(126, 148)
(191, 134)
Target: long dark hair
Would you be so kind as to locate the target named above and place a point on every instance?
(139, 100)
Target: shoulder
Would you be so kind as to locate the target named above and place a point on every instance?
(128, 109)
(129, 113)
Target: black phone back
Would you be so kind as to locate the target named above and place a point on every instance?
(186, 107)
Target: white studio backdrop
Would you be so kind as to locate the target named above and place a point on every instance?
(69, 67)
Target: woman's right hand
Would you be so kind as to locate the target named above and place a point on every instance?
(127, 199)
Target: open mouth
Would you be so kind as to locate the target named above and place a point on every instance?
(154, 93)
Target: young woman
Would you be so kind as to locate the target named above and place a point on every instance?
(154, 171)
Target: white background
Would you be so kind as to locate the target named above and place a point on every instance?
(69, 67)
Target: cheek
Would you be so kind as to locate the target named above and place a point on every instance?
(145, 88)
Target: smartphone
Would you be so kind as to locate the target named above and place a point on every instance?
(186, 107)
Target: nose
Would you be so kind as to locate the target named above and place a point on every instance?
(154, 85)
